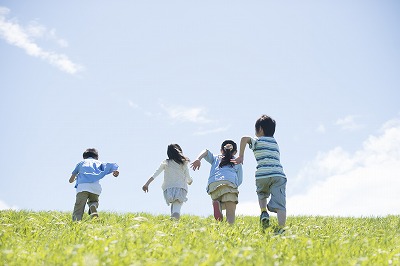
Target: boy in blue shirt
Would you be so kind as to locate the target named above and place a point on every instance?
(270, 178)
(87, 174)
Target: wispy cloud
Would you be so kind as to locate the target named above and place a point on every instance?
(341, 183)
(24, 38)
(321, 128)
(211, 131)
(349, 123)
(186, 114)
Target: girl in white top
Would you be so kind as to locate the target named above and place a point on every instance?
(176, 179)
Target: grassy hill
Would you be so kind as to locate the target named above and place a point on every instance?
(51, 238)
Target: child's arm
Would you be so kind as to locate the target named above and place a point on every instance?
(146, 186)
(72, 178)
(243, 142)
(197, 163)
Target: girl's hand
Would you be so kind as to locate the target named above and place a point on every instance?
(237, 160)
(195, 165)
(145, 188)
(115, 173)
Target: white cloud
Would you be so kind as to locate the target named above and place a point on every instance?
(349, 123)
(321, 129)
(339, 183)
(133, 105)
(4, 206)
(186, 114)
(23, 38)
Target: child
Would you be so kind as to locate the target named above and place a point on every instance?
(224, 180)
(270, 178)
(176, 179)
(87, 174)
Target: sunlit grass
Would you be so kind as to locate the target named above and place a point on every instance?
(51, 238)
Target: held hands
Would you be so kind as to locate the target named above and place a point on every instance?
(237, 160)
(195, 165)
(115, 173)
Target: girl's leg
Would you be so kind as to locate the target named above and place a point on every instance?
(176, 209)
(230, 211)
(217, 210)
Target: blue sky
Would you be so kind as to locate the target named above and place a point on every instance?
(131, 77)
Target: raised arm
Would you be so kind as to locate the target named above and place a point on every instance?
(243, 142)
(197, 163)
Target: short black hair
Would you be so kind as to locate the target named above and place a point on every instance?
(267, 124)
(91, 153)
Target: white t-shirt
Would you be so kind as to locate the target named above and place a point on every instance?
(94, 187)
(175, 175)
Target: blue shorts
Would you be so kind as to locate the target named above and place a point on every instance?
(274, 186)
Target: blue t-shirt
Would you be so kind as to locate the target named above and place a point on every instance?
(91, 170)
(233, 174)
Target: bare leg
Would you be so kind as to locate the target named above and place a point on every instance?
(262, 203)
(281, 217)
(176, 209)
(217, 210)
(230, 211)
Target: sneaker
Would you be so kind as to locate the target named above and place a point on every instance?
(280, 231)
(217, 210)
(264, 219)
(93, 211)
(175, 216)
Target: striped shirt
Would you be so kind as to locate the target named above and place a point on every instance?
(267, 155)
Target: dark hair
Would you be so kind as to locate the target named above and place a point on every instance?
(229, 147)
(91, 152)
(267, 124)
(174, 152)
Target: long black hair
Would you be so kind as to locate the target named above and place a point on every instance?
(228, 147)
(174, 152)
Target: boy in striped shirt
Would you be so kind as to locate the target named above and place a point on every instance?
(270, 178)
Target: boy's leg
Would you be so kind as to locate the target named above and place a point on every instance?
(278, 199)
(281, 217)
(230, 211)
(93, 203)
(264, 217)
(79, 207)
(263, 192)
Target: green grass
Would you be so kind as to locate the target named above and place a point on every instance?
(51, 238)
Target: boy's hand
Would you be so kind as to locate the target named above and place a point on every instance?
(115, 173)
(145, 188)
(195, 165)
(72, 178)
(237, 160)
